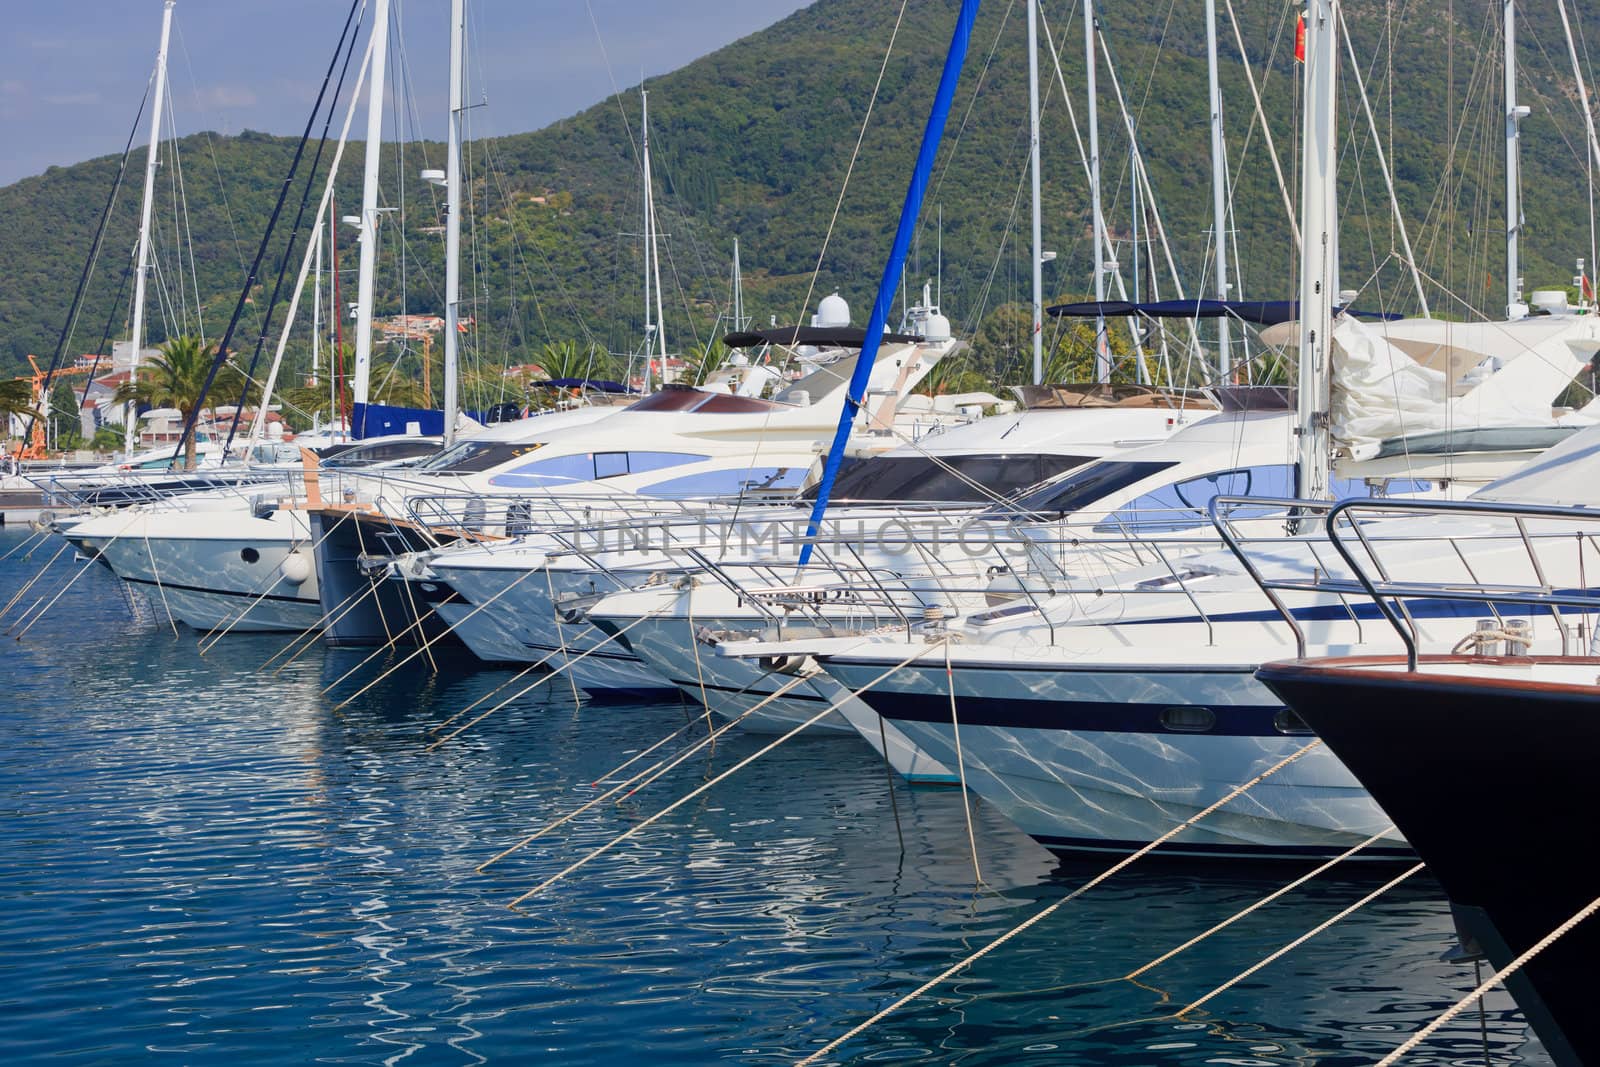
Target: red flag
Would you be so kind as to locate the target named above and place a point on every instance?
(1300, 39)
(1588, 290)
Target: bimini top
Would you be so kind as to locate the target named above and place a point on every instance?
(1106, 395)
(599, 385)
(1262, 312)
(820, 336)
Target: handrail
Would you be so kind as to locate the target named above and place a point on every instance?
(1349, 523)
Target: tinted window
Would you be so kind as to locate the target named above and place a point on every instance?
(688, 398)
(469, 456)
(948, 479)
(589, 466)
(1183, 505)
(384, 453)
(641, 462)
(1087, 485)
(728, 482)
(558, 470)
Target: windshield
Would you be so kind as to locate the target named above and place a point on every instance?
(1085, 486)
(383, 452)
(471, 456)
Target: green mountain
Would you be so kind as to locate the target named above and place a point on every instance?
(756, 141)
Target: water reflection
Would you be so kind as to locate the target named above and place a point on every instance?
(210, 860)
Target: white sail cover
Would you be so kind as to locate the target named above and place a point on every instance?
(1497, 374)
(1379, 392)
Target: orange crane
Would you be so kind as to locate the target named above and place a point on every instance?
(35, 449)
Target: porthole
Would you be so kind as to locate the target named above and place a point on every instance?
(1188, 720)
(1287, 722)
(249, 555)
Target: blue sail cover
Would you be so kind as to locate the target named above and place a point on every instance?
(892, 269)
(381, 420)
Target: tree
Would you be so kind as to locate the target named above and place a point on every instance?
(567, 359)
(16, 398)
(176, 378)
(953, 375)
(705, 361)
(64, 417)
(107, 439)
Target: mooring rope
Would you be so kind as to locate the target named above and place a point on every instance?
(1303, 938)
(29, 584)
(568, 665)
(1051, 909)
(329, 618)
(1263, 902)
(663, 766)
(961, 765)
(1509, 969)
(156, 573)
(522, 578)
(675, 805)
(561, 629)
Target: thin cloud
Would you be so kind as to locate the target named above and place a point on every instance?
(72, 99)
(227, 97)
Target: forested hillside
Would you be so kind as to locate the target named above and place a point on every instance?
(755, 141)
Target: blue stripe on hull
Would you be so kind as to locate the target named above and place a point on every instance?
(1069, 846)
(1103, 716)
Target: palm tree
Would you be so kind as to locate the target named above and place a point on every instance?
(704, 361)
(565, 359)
(175, 379)
(390, 384)
(16, 398)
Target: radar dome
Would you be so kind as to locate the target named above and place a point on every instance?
(832, 311)
(936, 328)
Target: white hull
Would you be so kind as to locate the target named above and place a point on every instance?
(731, 688)
(485, 637)
(1090, 760)
(241, 582)
(525, 613)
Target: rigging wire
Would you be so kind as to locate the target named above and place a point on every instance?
(76, 307)
(261, 250)
(351, 31)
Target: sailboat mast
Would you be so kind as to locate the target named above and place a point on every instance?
(1319, 249)
(1219, 182)
(653, 255)
(368, 222)
(649, 245)
(136, 340)
(452, 232)
(316, 314)
(1102, 351)
(1514, 116)
(738, 290)
(1033, 163)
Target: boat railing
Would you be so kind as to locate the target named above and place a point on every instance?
(998, 577)
(1497, 554)
(513, 515)
(829, 598)
(79, 490)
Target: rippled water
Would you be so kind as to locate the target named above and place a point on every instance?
(204, 859)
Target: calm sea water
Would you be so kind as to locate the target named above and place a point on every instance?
(205, 861)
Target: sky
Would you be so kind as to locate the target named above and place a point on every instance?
(72, 72)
